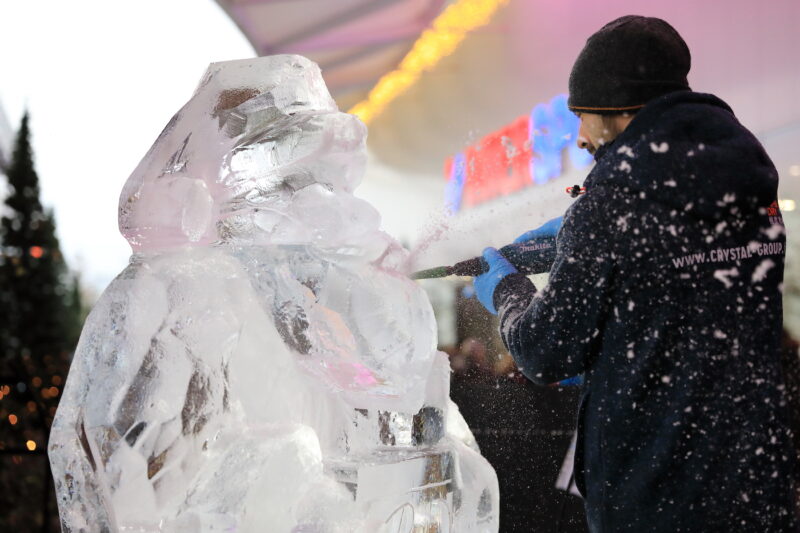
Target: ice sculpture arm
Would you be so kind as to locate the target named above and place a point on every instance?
(74, 462)
(552, 333)
(88, 424)
(80, 497)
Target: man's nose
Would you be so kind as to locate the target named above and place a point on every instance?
(583, 142)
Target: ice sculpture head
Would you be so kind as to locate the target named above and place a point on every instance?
(259, 143)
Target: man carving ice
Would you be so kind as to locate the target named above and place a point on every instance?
(666, 295)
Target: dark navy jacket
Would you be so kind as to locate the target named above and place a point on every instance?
(666, 293)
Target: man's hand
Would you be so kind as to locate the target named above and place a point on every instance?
(486, 283)
(548, 229)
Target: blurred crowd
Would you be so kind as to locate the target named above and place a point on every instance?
(524, 431)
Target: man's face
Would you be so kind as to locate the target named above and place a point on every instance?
(594, 132)
(597, 130)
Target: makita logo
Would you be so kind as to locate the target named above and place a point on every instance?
(535, 246)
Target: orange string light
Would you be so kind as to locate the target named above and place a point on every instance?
(446, 33)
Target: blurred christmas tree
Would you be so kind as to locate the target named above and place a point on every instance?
(40, 315)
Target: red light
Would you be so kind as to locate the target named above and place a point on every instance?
(36, 251)
(498, 164)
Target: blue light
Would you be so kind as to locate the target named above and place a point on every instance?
(455, 185)
(545, 129)
(554, 127)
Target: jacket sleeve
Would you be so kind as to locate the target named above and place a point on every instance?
(553, 333)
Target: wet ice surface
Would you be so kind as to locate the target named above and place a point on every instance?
(263, 364)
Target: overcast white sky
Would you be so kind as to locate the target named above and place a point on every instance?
(101, 79)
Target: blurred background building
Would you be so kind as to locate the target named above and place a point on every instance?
(469, 146)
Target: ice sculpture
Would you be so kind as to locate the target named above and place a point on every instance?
(263, 364)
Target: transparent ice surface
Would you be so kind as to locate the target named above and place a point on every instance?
(263, 364)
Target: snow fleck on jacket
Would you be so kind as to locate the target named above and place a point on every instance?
(666, 293)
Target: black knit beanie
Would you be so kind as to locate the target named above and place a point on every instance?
(627, 63)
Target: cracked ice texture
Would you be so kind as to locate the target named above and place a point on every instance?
(263, 364)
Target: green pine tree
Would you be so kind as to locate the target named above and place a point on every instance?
(35, 267)
(39, 314)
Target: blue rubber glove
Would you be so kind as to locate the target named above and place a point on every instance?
(486, 283)
(548, 229)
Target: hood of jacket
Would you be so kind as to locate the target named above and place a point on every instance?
(688, 150)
